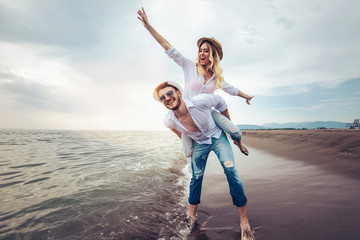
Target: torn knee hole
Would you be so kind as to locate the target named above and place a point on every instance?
(228, 164)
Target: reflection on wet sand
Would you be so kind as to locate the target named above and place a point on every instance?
(286, 200)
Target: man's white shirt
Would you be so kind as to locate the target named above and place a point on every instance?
(200, 108)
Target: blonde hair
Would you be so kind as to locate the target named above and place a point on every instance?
(214, 65)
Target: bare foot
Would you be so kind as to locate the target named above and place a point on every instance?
(191, 222)
(246, 234)
(242, 148)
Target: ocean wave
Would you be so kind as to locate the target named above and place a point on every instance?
(98, 185)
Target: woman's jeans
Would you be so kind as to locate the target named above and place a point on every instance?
(223, 122)
(224, 152)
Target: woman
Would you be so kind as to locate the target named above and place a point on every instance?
(204, 76)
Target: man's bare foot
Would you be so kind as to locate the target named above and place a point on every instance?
(246, 234)
(242, 148)
(192, 215)
(191, 222)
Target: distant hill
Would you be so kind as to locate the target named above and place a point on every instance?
(297, 125)
(308, 125)
(250, 127)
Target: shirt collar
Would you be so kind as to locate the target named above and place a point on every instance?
(188, 103)
(209, 80)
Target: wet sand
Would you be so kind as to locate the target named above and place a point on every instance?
(302, 184)
(335, 150)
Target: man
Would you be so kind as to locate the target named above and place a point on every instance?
(193, 118)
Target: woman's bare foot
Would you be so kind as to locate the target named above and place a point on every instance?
(241, 147)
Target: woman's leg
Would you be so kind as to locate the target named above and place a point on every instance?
(187, 144)
(229, 127)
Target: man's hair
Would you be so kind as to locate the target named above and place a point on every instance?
(164, 85)
(174, 85)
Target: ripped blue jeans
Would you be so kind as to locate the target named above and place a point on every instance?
(223, 122)
(223, 150)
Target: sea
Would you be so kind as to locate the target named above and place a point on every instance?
(92, 185)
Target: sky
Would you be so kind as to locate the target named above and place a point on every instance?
(91, 65)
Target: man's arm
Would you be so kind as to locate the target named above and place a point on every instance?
(204, 101)
(176, 132)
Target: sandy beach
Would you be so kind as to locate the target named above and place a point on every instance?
(300, 184)
(333, 149)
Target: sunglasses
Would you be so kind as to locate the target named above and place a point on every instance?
(169, 93)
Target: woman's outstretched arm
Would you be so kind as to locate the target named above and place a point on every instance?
(160, 39)
(245, 96)
(230, 89)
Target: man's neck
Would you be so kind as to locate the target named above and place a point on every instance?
(181, 111)
(184, 117)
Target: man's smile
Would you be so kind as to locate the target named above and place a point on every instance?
(170, 101)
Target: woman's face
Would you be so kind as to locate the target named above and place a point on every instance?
(204, 54)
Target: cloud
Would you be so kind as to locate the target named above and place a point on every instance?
(285, 23)
(42, 91)
(314, 44)
(27, 91)
(66, 23)
(311, 108)
(46, 22)
(93, 61)
(351, 100)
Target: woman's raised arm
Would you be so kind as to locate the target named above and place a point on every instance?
(160, 39)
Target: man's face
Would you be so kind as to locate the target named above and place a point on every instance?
(170, 98)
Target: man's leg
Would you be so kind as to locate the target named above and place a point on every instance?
(224, 152)
(244, 224)
(192, 212)
(198, 163)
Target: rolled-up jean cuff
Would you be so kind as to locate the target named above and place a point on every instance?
(194, 202)
(237, 136)
(240, 204)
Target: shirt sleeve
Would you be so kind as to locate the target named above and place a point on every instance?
(168, 122)
(230, 89)
(209, 101)
(179, 58)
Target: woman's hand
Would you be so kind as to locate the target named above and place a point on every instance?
(143, 18)
(248, 100)
(160, 39)
(245, 96)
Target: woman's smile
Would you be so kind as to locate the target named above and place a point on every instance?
(204, 54)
